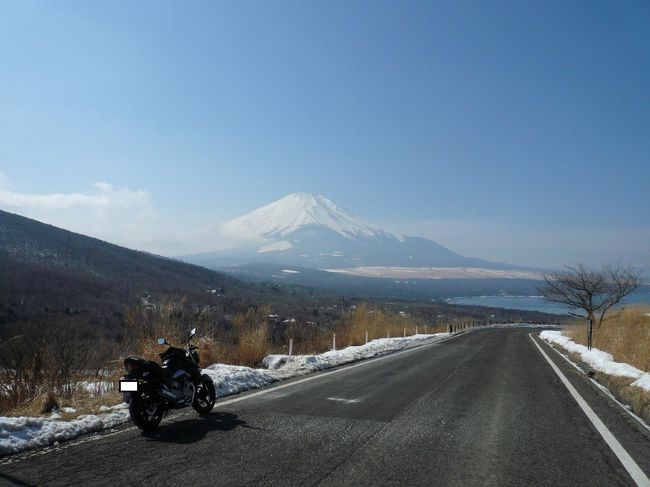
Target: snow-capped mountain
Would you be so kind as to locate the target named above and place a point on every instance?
(309, 230)
(297, 210)
(278, 223)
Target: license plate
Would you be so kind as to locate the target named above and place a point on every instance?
(128, 386)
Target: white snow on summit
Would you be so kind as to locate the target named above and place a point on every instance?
(297, 210)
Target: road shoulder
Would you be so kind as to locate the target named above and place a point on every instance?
(633, 436)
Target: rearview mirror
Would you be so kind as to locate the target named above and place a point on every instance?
(161, 341)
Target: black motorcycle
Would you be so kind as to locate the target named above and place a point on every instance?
(151, 390)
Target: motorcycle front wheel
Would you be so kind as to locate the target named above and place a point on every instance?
(205, 396)
(146, 415)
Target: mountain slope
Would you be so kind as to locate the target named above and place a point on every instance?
(311, 231)
(45, 269)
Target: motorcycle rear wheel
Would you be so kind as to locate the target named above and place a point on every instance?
(144, 414)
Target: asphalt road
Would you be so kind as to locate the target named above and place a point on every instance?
(484, 408)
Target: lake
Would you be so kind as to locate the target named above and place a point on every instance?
(536, 303)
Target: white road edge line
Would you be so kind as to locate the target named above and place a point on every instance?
(628, 462)
(16, 457)
(607, 392)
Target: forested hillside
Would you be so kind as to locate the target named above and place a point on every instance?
(45, 270)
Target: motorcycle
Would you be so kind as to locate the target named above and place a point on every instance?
(152, 390)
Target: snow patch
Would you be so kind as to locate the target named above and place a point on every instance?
(275, 247)
(231, 379)
(599, 360)
(643, 382)
(20, 433)
(284, 366)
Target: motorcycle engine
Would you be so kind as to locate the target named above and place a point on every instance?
(184, 390)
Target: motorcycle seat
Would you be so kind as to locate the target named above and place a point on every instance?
(149, 365)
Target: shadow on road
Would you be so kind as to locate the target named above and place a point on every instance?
(193, 430)
(14, 480)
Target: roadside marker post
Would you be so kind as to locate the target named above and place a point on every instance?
(366, 336)
(290, 346)
(334, 342)
(404, 332)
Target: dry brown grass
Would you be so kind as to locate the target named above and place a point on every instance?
(378, 323)
(626, 336)
(316, 344)
(82, 401)
(172, 321)
(90, 392)
(246, 342)
(252, 336)
(50, 360)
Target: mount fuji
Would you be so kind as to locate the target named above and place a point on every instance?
(309, 230)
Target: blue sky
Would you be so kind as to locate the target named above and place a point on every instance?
(517, 131)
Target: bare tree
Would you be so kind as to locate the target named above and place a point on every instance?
(594, 292)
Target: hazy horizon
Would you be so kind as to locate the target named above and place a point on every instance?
(509, 132)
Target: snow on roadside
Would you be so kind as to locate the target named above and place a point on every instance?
(303, 364)
(21, 433)
(231, 379)
(599, 360)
